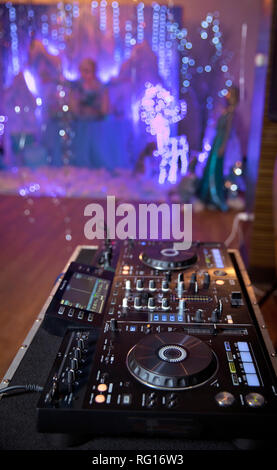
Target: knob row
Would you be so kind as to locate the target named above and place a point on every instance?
(152, 286)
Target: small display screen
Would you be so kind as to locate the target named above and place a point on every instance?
(217, 258)
(86, 292)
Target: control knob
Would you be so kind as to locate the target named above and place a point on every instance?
(165, 303)
(165, 286)
(77, 353)
(217, 312)
(139, 285)
(137, 302)
(113, 324)
(199, 315)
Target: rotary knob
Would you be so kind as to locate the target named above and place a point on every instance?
(107, 257)
(77, 353)
(74, 363)
(81, 344)
(152, 284)
(113, 324)
(137, 302)
(199, 315)
(165, 303)
(165, 286)
(151, 303)
(139, 284)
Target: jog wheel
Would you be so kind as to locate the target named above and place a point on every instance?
(168, 258)
(172, 361)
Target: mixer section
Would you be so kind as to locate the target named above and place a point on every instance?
(195, 286)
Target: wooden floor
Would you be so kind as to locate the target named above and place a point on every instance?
(34, 250)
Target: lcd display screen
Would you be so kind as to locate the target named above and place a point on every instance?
(86, 292)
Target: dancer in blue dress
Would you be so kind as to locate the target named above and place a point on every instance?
(212, 190)
(89, 98)
(89, 105)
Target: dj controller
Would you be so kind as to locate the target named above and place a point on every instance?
(157, 341)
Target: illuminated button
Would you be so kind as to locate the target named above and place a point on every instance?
(255, 400)
(227, 346)
(100, 399)
(102, 388)
(125, 272)
(243, 346)
(232, 367)
(229, 355)
(249, 368)
(252, 380)
(225, 399)
(219, 282)
(109, 397)
(156, 318)
(172, 318)
(126, 267)
(164, 317)
(235, 379)
(133, 328)
(126, 399)
(246, 357)
(180, 318)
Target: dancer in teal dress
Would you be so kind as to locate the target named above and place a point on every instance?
(212, 190)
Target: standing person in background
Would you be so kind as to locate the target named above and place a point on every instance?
(89, 97)
(89, 106)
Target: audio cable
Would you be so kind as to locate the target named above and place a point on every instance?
(23, 388)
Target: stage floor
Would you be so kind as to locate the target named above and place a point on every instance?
(72, 181)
